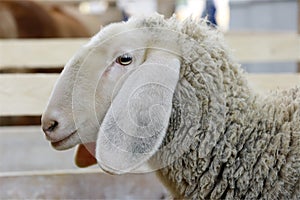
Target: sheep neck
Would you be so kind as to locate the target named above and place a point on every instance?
(235, 152)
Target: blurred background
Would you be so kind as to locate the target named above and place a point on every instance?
(37, 37)
(78, 18)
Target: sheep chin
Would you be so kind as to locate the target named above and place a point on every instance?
(66, 143)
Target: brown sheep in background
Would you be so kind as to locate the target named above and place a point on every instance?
(29, 19)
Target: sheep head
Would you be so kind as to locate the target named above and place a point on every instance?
(116, 91)
(131, 86)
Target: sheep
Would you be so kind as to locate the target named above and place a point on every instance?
(170, 94)
(33, 19)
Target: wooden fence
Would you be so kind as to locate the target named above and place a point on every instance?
(23, 150)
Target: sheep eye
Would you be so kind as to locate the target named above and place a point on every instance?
(125, 59)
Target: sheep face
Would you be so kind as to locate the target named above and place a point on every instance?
(116, 91)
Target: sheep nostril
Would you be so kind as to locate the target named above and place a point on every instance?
(50, 126)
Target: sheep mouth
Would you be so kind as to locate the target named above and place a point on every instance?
(65, 142)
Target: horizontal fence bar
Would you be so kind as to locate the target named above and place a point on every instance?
(37, 53)
(24, 150)
(31, 169)
(67, 185)
(39, 156)
(265, 46)
(27, 94)
(52, 172)
(263, 83)
(48, 53)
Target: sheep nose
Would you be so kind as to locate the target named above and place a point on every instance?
(49, 126)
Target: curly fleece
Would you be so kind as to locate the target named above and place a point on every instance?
(234, 143)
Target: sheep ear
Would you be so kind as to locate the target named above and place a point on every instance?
(137, 120)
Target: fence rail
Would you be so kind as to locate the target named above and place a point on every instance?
(49, 53)
(27, 94)
(80, 185)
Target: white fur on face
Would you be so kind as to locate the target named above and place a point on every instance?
(125, 109)
(93, 74)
